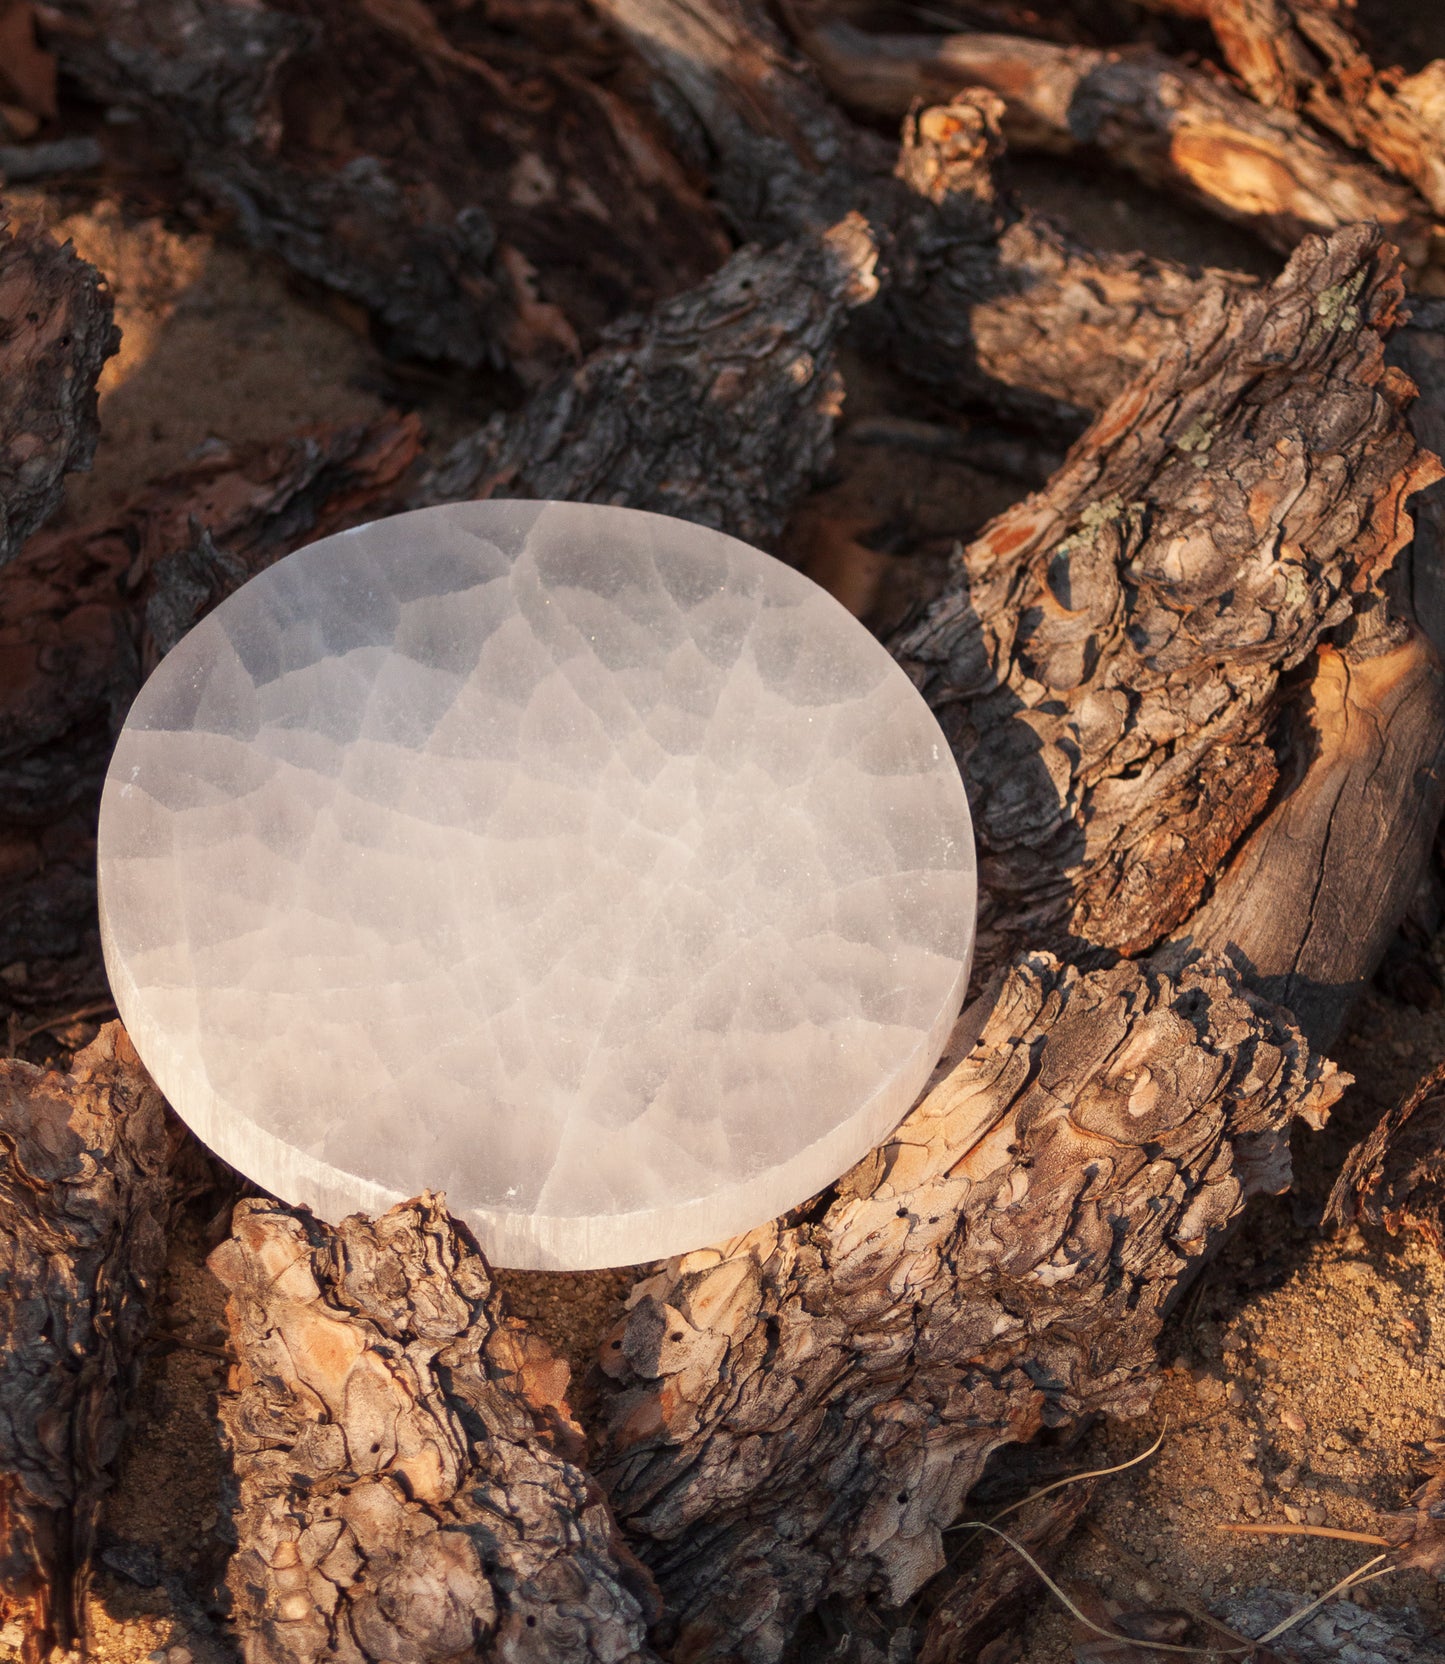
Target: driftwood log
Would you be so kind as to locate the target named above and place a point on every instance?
(407, 1464)
(487, 203)
(86, 1196)
(55, 334)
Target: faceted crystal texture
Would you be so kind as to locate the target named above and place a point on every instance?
(587, 865)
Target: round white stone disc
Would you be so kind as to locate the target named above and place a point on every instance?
(587, 865)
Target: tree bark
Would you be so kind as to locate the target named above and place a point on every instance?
(979, 299)
(55, 334)
(802, 1411)
(408, 1467)
(486, 205)
(1302, 55)
(86, 611)
(1174, 127)
(718, 407)
(85, 1201)
(1108, 661)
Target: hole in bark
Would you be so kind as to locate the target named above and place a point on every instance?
(531, 1621)
(903, 1496)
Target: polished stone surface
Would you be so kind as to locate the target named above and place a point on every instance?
(585, 864)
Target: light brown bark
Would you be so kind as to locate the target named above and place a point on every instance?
(408, 1467)
(1172, 126)
(803, 1411)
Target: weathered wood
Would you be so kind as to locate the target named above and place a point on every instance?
(1107, 662)
(984, 301)
(86, 610)
(979, 298)
(1312, 898)
(1303, 55)
(718, 407)
(802, 1411)
(1174, 127)
(55, 334)
(408, 1467)
(85, 1202)
(487, 205)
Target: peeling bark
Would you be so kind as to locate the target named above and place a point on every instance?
(85, 1201)
(85, 611)
(55, 334)
(719, 407)
(803, 1410)
(1107, 662)
(487, 205)
(408, 1467)
(1395, 1175)
(1174, 127)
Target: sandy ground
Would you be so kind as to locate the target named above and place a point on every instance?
(1304, 1371)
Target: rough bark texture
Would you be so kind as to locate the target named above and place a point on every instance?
(1313, 897)
(1177, 128)
(718, 407)
(55, 334)
(1302, 55)
(983, 301)
(85, 611)
(84, 1207)
(803, 1410)
(1107, 661)
(408, 1468)
(978, 298)
(487, 204)
(1395, 1176)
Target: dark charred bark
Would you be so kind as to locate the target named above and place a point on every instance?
(408, 1467)
(718, 407)
(85, 1203)
(55, 334)
(487, 205)
(803, 1411)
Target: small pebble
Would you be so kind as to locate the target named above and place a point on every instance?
(1293, 1420)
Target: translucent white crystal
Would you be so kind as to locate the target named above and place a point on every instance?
(587, 865)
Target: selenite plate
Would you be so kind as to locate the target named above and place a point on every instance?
(592, 867)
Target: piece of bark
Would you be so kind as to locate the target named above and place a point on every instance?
(85, 1203)
(718, 407)
(55, 334)
(1303, 55)
(1176, 128)
(984, 1598)
(486, 208)
(803, 1410)
(1107, 659)
(986, 301)
(979, 298)
(1395, 1175)
(408, 1469)
(1419, 350)
(86, 611)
